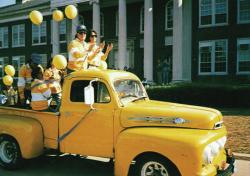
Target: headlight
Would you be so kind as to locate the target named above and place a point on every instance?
(212, 149)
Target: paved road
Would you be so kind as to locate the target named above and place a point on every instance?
(75, 166)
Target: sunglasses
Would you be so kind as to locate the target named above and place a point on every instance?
(93, 35)
(82, 32)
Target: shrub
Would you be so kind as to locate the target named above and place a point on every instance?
(203, 94)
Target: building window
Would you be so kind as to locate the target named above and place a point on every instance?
(116, 24)
(243, 56)
(243, 11)
(17, 62)
(39, 33)
(62, 31)
(18, 35)
(169, 15)
(213, 57)
(3, 61)
(4, 42)
(44, 60)
(213, 12)
(102, 25)
(142, 20)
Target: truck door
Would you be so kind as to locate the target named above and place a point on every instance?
(94, 134)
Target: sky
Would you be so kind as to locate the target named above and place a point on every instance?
(6, 2)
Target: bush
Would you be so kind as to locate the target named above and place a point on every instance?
(203, 94)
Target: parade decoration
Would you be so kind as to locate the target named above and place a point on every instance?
(103, 65)
(7, 80)
(59, 61)
(9, 70)
(57, 15)
(71, 11)
(36, 17)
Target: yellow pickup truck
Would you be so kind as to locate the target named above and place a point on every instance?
(108, 114)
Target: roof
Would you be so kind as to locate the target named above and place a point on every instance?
(103, 74)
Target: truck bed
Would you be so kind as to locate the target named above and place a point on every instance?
(48, 120)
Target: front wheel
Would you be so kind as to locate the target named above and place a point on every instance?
(155, 166)
(10, 154)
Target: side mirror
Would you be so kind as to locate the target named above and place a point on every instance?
(89, 96)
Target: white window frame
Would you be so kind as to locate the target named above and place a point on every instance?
(19, 65)
(18, 36)
(102, 24)
(238, 14)
(60, 23)
(44, 60)
(241, 41)
(212, 44)
(166, 15)
(39, 34)
(2, 30)
(142, 16)
(213, 16)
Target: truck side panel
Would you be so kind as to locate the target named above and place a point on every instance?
(49, 122)
(28, 133)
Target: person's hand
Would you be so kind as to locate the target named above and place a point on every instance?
(110, 47)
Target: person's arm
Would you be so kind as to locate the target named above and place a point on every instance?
(109, 48)
(95, 51)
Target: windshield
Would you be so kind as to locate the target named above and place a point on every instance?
(129, 90)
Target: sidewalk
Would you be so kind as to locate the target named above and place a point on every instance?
(242, 164)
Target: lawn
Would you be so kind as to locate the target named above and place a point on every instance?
(237, 122)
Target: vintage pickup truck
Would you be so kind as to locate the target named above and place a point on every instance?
(108, 114)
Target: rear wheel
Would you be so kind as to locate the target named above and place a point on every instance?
(155, 166)
(10, 154)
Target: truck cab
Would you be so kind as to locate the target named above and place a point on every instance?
(107, 113)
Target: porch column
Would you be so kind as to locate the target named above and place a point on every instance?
(182, 41)
(122, 37)
(55, 38)
(148, 40)
(96, 18)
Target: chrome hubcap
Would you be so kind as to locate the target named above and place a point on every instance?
(7, 151)
(153, 168)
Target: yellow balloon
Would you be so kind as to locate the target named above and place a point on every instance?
(36, 17)
(103, 65)
(59, 61)
(71, 11)
(9, 70)
(7, 80)
(57, 15)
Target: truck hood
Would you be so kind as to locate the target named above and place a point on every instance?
(157, 113)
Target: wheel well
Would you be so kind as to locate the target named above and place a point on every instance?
(8, 136)
(143, 155)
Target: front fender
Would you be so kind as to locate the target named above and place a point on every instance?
(28, 133)
(183, 147)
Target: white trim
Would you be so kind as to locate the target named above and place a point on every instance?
(241, 41)
(39, 34)
(3, 29)
(238, 14)
(18, 36)
(213, 24)
(166, 15)
(212, 43)
(24, 17)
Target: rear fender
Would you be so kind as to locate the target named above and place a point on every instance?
(27, 132)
